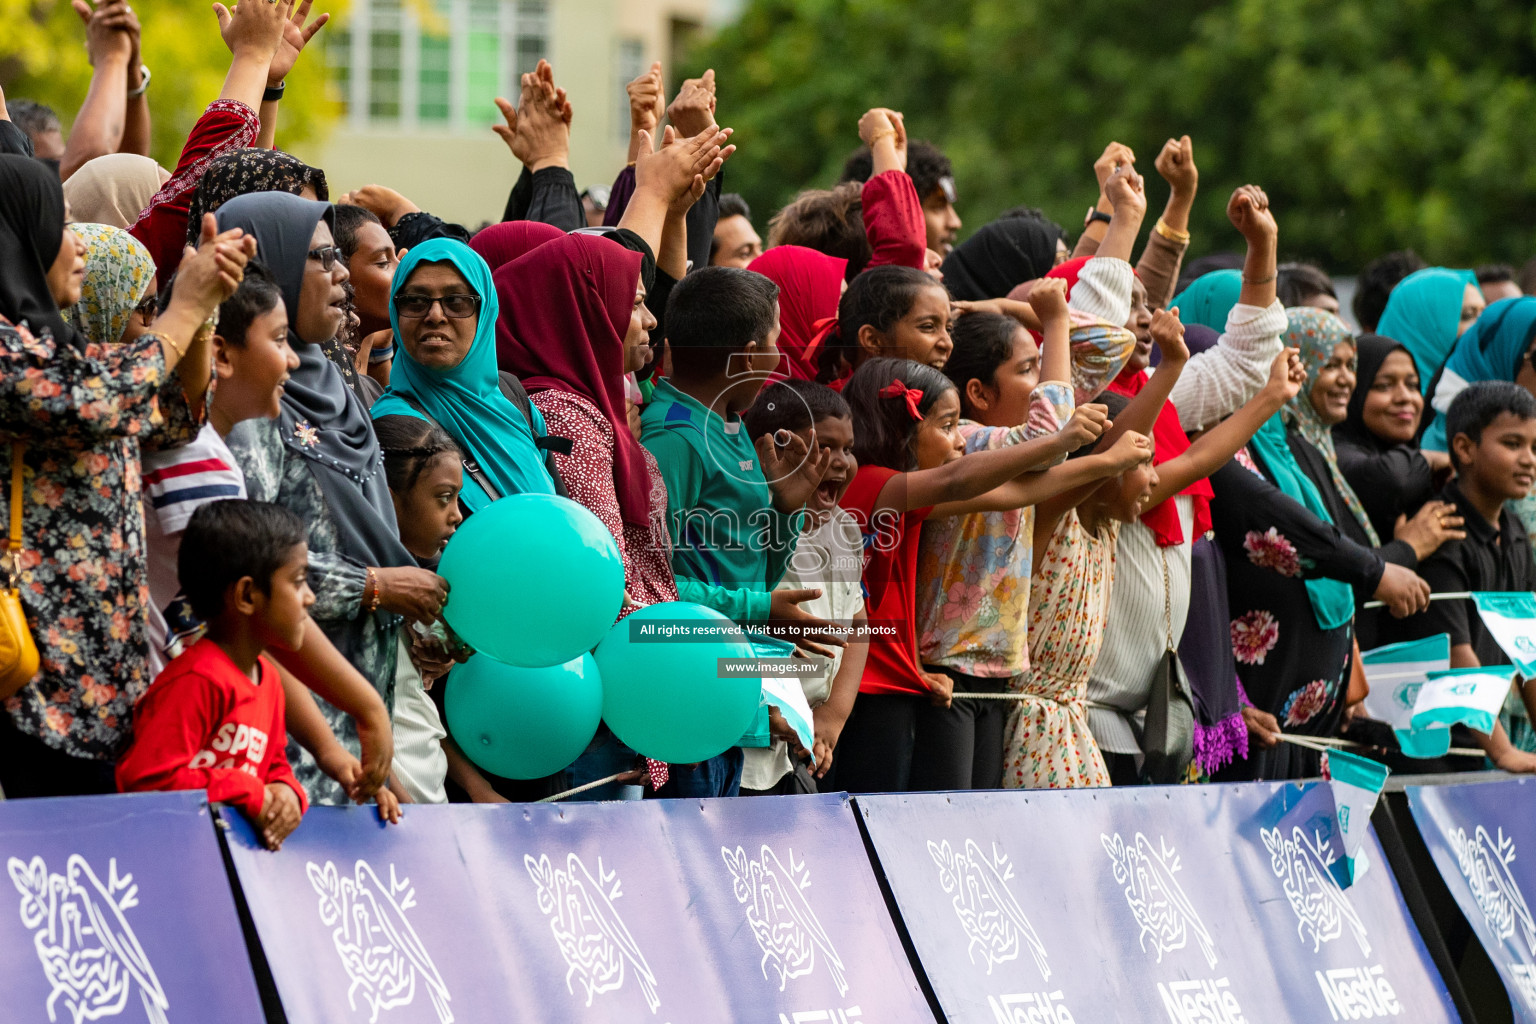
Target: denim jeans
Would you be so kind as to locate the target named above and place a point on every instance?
(719, 776)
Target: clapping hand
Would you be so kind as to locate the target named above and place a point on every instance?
(647, 105)
(111, 29)
(676, 169)
(538, 130)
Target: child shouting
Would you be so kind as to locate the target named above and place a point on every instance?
(214, 718)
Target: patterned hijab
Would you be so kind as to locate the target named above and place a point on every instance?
(245, 171)
(118, 273)
(114, 189)
(1317, 333)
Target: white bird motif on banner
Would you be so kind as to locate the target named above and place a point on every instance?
(588, 930)
(379, 949)
(1158, 903)
(781, 918)
(1485, 862)
(991, 917)
(89, 953)
(1321, 907)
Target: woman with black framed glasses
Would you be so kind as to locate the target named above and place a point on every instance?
(320, 459)
(444, 311)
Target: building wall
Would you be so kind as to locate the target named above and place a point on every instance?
(455, 166)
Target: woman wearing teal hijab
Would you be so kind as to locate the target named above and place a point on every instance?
(1427, 311)
(1209, 298)
(1299, 554)
(1494, 348)
(443, 309)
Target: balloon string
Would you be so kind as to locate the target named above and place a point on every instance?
(633, 775)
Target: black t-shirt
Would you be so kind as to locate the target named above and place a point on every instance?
(1487, 559)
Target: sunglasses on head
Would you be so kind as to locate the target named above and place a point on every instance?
(414, 307)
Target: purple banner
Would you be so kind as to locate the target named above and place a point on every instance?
(678, 912)
(1483, 839)
(118, 909)
(1196, 905)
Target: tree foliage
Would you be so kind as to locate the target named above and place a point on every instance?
(1372, 124)
(42, 57)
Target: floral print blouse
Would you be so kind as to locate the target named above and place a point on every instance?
(973, 571)
(84, 416)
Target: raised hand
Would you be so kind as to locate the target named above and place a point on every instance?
(296, 36)
(672, 169)
(1086, 426)
(543, 123)
(1115, 156)
(384, 203)
(1176, 163)
(881, 123)
(1048, 298)
(211, 273)
(255, 27)
(1126, 192)
(647, 104)
(1287, 375)
(693, 108)
(1168, 333)
(793, 468)
(1249, 212)
(107, 34)
(1130, 449)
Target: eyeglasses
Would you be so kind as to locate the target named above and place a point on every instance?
(327, 256)
(414, 307)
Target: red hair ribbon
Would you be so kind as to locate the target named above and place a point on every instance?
(821, 330)
(897, 389)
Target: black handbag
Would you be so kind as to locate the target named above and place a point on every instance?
(1168, 738)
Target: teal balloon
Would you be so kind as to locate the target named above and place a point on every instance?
(665, 697)
(534, 580)
(524, 723)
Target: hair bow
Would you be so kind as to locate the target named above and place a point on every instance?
(897, 389)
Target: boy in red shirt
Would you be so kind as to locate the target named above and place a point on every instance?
(214, 718)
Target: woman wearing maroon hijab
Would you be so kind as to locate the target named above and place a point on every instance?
(502, 243)
(573, 323)
(810, 283)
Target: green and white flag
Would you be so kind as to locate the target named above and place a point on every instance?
(1356, 783)
(1471, 696)
(1511, 617)
(1396, 673)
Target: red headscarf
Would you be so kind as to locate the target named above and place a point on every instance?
(810, 285)
(502, 243)
(1167, 433)
(565, 309)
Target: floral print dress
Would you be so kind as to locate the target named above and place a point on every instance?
(84, 416)
(1287, 664)
(1048, 744)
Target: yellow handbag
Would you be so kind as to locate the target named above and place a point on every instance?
(18, 651)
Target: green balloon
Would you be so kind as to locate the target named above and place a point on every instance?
(524, 723)
(666, 697)
(534, 580)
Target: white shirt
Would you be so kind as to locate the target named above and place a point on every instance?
(420, 762)
(828, 557)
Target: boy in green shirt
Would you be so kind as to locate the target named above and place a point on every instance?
(733, 507)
